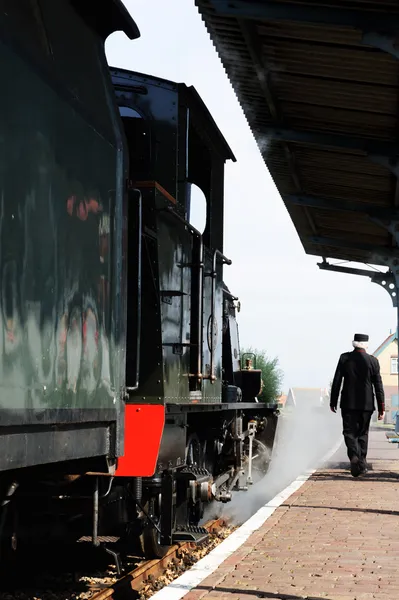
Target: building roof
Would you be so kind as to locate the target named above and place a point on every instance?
(320, 89)
(305, 396)
(282, 399)
(386, 343)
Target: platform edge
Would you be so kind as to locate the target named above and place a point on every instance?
(177, 589)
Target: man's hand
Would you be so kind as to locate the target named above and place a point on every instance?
(381, 415)
(333, 409)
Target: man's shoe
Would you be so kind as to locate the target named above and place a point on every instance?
(363, 467)
(355, 466)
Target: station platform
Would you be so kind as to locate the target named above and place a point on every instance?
(334, 538)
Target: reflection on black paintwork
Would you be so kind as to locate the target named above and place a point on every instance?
(57, 317)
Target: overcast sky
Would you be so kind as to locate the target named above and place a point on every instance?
(289, 308)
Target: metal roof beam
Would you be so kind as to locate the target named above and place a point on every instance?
(385, 217)
(269, 10)
(392, 225)
(383, 153)
(335, 140)
(379, 29)
(254, 46)
(382, 252)
(377, 212)
(325, 266)
(386, 280)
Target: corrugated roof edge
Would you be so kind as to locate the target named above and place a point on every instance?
(212, 36)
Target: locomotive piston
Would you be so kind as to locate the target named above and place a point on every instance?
(202, 489)
(206, 491)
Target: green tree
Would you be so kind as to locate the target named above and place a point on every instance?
(272, 375)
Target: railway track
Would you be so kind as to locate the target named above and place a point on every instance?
(145, 578)
(89, 576)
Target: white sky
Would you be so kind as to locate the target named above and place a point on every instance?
(289, 307)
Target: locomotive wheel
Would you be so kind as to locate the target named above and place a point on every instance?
(150, 545)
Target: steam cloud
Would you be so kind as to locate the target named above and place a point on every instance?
(304, 437)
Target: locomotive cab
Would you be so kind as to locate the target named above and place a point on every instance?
(174, 145)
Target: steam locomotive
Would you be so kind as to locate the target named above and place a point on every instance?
(125, 406)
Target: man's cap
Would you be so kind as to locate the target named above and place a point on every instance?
(361, 337)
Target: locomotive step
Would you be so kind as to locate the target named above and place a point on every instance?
(192, 470)
(190, 534)
(102, 539)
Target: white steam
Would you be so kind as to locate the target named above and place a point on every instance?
(305, 435)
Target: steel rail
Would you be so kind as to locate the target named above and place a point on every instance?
(150, 570)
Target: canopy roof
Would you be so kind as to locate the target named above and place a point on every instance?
(318, 83)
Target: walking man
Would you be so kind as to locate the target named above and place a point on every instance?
(362, 383)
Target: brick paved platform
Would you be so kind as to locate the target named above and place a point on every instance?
(336, 538)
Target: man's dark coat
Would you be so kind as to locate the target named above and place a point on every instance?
(361, 373)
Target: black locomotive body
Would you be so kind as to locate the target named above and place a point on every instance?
(124, 404)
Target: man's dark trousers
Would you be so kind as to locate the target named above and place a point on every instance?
(356, 424)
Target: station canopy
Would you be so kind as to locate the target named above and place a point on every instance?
(318, 83)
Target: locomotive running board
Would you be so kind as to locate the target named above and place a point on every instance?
(190, 533)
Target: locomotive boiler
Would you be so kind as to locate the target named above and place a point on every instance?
(125, 404)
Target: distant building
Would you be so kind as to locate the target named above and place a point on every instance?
(282, 400)
(307, 397)
(387, 354)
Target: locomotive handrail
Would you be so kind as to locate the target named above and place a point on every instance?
(182, 220)
(230, 295)
(226, 261)
(138, 330)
